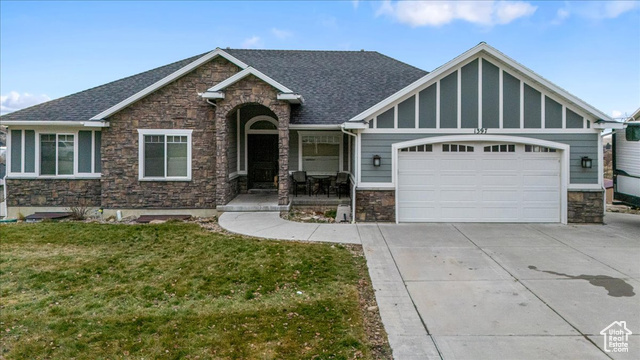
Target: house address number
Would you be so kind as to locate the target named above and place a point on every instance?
(480, 131)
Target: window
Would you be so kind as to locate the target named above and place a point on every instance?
(500, 148)
(22, 151)
(536, 148)
(632, 133)
(321, 152)
(89, 157)
(165, 154)
(33, 154)
(420, 148)
(56, 154)
(456, 148)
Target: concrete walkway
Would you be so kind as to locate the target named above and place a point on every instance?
(270, 225)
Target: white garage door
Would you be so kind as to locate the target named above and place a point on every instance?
(478, 182)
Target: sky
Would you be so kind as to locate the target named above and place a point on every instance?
(52, 49)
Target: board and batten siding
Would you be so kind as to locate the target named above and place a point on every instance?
(584, 144)
(480, 93)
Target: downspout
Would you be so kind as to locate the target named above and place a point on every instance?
(354, 186)
(211, 103)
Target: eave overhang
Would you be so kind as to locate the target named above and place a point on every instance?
(90, 123)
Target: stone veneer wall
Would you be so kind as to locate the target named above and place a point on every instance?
(53, 192)
(375, 205)
(250, 90)
(585, 207)
(175, 106)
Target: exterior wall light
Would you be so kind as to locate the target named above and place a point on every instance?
(586, 162)
(376, 160)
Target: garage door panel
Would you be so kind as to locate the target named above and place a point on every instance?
(458, 164)
(477, 187)
(407, 197)
(550, 195)
(504, 179)
(540, 181)
(500, 195)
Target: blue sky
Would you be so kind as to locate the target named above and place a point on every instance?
(52, 49)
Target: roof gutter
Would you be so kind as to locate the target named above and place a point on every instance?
(608, 124)
(91, 123)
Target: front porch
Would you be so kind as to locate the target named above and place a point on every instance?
(268, 201)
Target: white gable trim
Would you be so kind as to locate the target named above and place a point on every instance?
(246, 72)
(168, 79)
(465, 57)
(286, 94)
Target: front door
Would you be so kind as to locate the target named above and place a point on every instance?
(262, 161)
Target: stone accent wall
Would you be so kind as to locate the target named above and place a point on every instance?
(243, 185)
(585, 207)
(250, 90)
(53, 192)
(175, 106)
(375, 205)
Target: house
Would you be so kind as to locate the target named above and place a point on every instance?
(482, 138)
(626, 162)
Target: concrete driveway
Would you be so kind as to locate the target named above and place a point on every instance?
(511, 291)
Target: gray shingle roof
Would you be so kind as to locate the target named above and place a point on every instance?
(336, 85)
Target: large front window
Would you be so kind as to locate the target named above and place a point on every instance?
(321, 152)
(165, 154)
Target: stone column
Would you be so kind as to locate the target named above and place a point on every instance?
(223, 188)
(283, 155)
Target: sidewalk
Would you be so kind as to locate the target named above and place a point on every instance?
(406, 333)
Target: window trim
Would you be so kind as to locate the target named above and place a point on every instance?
(37, 173)
(339, 134)
(165, 133)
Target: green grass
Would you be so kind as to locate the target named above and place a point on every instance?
(170, 291)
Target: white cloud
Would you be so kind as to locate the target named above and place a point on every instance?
(14, 101)
(595, 10)
(438, 13)
(355, 3)
(252, 43)
(616, 114)
(281, 34)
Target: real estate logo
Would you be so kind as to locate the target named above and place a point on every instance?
(616, 337)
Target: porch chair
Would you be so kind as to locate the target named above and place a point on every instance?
(300, 179)
(342, 182)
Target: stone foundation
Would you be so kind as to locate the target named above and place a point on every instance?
(375, 205)
(586, 207)
(53, 192)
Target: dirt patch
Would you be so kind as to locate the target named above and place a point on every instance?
(623, 209)
(310, 215)
(370, 312)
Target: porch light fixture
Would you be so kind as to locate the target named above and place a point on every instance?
(586, 162)
(376, 160)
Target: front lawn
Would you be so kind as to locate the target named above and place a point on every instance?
(169, 291)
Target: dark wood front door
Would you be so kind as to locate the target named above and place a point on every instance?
(263, 160)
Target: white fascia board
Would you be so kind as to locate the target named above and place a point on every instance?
(482, 47)
(246, 72)
(92, 123)
(636, 115)
(313, 127)
(614, 125)
(168, 79)
(291, 98)
(213, 95)
(350, 125)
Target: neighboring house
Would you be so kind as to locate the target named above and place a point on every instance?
(482, 138)
(626, 162)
